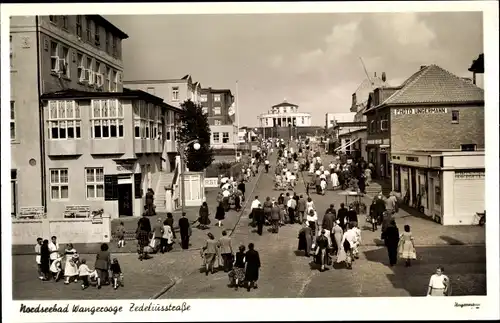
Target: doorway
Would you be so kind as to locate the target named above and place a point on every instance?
(413, 183)
(125, 205)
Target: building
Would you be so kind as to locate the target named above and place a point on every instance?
(173, 91)
(284, 120)
(332, 118)
(432, 130)
(50, 54)
(219, 107)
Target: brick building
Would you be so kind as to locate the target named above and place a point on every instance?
(431, 130)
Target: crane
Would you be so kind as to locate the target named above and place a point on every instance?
(366, 72)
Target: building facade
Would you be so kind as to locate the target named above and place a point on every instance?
(433, 128)
(49, 54)
(332, 118)
(283, 120)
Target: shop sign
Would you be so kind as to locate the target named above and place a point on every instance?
(374, 142)
(404, 111)
(211, 182)
(125, 167)
(469, 175)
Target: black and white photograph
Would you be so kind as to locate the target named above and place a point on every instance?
(174, 159)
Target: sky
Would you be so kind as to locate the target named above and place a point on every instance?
(311, 60)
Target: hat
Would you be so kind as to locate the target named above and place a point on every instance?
(338, 221)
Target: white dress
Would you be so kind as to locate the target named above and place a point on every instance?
(70, 268)
(335, 180)
(309, 206)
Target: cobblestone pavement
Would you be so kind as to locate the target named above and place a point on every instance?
(143, 279)
(285, 273)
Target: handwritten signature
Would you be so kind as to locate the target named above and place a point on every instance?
(471, 305)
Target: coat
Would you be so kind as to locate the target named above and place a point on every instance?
(253, 265)
(220, 214)
(341, 215)
(391, 237)
(328, 220)
(301, 205)
(102, 260)
(225, 245)
(259, 215)
(275, 213)
(210, 246)
(184, 226)
(305, 240)
(203, 213)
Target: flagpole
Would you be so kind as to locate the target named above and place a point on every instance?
(237, 118)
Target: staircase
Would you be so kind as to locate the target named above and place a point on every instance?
(376, 187)
(166, 179)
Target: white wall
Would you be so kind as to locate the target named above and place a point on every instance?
(339, 117)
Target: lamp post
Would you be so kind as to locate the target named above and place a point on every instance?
(182, 154)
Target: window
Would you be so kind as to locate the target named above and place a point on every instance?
(88, 33)
(455, 116)
(12, 120)
(175, 93)
(54, 57)
(64, 62)
(81, 67)
(94, 181)
(217, 97)
(64, 22)
(267, 122)
(168, 135)
(203, 98)
(384, 125)
(59, 184)
(216, 137)
(114, 86)
(225, 137)
(107, 82)
(114, 43)
(99, 81)
(64, 120)
(147, 120)
(117, 80)
(107, 119)
(11, 52)
(13, 186)
(89, 71)
(216, 110)
(437, 195)
(464, 147)
(108, 35)
(217, 122)
(53, 19)
(303, 120)
(79, 26)
(97, 35)
(204, 110)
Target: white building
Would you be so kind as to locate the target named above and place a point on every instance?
(335, 117)
(283, 115)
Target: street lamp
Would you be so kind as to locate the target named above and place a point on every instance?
(182, 154)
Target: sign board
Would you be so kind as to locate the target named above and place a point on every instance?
(412, 159)
(77, 211)
(31, 212)
(405, 111)
(211, 182)
(374, 142)
(125, 167)
(469, 175)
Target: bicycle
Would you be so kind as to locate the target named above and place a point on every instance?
(482, 218)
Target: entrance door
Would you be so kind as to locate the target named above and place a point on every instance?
(431, 196)
(413, 183)
(125, 205)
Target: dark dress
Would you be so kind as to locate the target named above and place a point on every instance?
(45, 260)
(203, 215)
(259, 217)
(253, 265)
(352, 216)
(102, 262)
(184, 230)
(241, 187)
(305, 240)
(143, 230)
(341, 216)
(238, 271)
(391, 242)
(220, 214)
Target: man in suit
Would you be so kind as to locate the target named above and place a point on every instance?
(301, 208)
(260, 218)
(226, 251)
(342, 215)
(327, 224)
(185, 231)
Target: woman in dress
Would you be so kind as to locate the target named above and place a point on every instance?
(45, 259)
(252, 260)
(406, 247)
(70, 267)
(309, 205)
(337, 237)
(281, 199)
(220, 214)
(439, 284)
(312, 221)
(237, 274)
(167, 240)
(102, 263)
(210, 253)
(203, 216)
(305, 239)
(335, 180)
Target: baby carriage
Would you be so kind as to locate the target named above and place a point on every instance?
(279, 183)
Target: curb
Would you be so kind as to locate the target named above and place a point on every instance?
(243, 207)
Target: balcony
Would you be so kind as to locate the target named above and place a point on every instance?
(68, 147)
(107, 146)
(147, 146)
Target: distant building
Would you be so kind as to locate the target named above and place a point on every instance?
(430, 130)
(284, 120)
(332, 118)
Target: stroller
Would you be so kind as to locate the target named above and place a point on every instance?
(279, 183)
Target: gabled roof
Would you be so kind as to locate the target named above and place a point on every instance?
(284, 104)
(434, 85)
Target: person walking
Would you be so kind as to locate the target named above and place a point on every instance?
(391, 238)
(209, 252)
(252, 260)
(312, 220)
(321, 250)
(260, 218)
(439, 284)
(45, 260)
(305, 239)
(342, 216)
(170, 221)
(226, 251)
(337, 234)
(406, 247)
(204, 214)
(241, 187)
(70, 266)
(327, 225)
(292, 204)
(102, 263)
(54, 249)
(237, 275)
(185, 231)
(268, 205)
(275, 217)
(386, 221)
(301, 208)
(220, 214)
(352, 216)
(255, 204)
(142, 235)
(150, 207)
(167, 238)
(348, 242)
(157, 235)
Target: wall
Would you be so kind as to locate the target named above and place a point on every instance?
(436, 131)
(339, 117)
(163, 90)
(25, 232)
(376, 117)
(231, 129)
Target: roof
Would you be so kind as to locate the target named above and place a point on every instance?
(126, 94)
(108, 25)
(434, 85)
(284, 104)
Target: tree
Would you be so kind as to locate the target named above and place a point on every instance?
(194, 125)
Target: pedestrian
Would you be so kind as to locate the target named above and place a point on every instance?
(209, 253)
(241, 187)
(120, 235)
(102, 263)
(268, 205)
(281, 199)
(301, 208)
(292, 204)
(203, 216)
(150, 207)
(391, 237)
(38, 257)
(373, 215)
(56, 268)
(142, 235)
(327, 224)
(337, 234)
(357, 241)
(352, 216)
(260, 218)
(225, 200)
(312, 220)
(237, 275)
(45, 260)
(368, 176)
(305, 239)
(170, 222)
(321, 250)
(439, 284)
(253, 264)
(386, 221)
(406, 248)
(255, 204)
(237, 201)
(309, 205)
(323, 186)
(70, 266)
(185, 230)
(157, 235)
(53, 248)
(116, 274)
(226, 251)
(362, 184)
(168, 237)
(266, 164)
(348, 241)
(275, 217)
(381, 207)
(220, 214)
(83, 273)
(342, 216)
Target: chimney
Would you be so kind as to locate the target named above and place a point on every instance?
(375, 74)
(422, 67)
(354, 103)
(384, 78)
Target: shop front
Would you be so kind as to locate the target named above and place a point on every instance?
(379, 155)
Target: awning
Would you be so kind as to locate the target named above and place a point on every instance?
(347, 145)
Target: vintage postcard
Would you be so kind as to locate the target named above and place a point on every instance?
(267, 161)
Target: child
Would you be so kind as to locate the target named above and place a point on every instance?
(38, 257)
(116, 274)
(84, 273)
(93, 276)
(56, 268)
(120, 234)
(71, 265)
